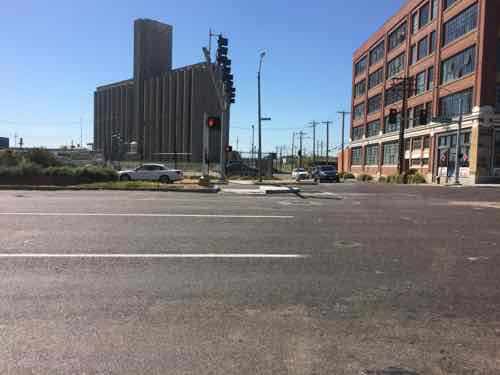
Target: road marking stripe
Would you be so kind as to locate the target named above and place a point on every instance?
(76, 214)
(153, 256)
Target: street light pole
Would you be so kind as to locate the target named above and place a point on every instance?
(459, 135)
(253, 145)
(262, 55)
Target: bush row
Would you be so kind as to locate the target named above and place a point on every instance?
(32, 174)
(405, 178)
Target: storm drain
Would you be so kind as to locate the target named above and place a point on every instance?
(389, 371)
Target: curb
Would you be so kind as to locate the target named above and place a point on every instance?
(211, 190)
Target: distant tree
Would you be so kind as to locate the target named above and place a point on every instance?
(42, 157)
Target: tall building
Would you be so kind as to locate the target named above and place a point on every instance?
(449, 51)
(4, 143)
(160, 111)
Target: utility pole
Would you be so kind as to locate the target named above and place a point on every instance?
(293, 150)
(313, 126)
(253, 146)
(343, 113)
(81, 132)
(262, 55)
(407, 84)
(237, 143)
(15, 140)
(301, 137)
(459, 135)
(327, 123)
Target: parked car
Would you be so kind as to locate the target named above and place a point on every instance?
(323, 173)
(240, 169)
(300, 174)
(152, 172)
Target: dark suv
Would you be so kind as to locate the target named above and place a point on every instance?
(323, 173)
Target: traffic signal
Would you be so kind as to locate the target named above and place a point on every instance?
(422, 117)
(213, 122)
(225, 67)
(393, 116)
(229, 148)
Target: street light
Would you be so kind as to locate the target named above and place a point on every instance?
(262, 55)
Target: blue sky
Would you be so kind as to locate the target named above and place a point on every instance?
(54, 54)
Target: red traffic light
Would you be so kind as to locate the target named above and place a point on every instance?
(213, 122)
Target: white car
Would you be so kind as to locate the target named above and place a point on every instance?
(152, 172)
(300, 174)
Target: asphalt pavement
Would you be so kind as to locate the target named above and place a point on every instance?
(348, 279)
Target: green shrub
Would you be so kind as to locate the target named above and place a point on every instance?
(42, 157)
(364, 177)
(382, 179)
(83, 174)
(9, 158)
(346, 175)
(416, 178)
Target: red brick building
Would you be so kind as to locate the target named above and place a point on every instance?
(450, 51)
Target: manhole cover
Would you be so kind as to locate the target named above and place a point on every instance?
(389, 371)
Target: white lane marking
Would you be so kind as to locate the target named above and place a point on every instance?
(76, 214)
(153, 256)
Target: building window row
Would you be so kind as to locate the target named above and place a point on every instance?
(397, 37)
(460, 24)
(375, 78)
(420, 115)
(373, 129)
(448, 3)
(371, 154)
(421, 17)
(449, 106)
(377, 53)
(375, 103)
(391, 153)
(391, 128)
(396, 65)
(423, 82)
(360, 66)
(360, 89)
(357, 133)
(359, 111)
(425, 47)
(458, 65)
(394, 94)
(356, 154)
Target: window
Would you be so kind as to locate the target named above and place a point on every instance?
(497, 107)
(375, 78)
(432, 42)
(424, 16)
(371, 155)
(360, 88)
(357, 133)
(430, 78)
(434, 9)
(359, 111)
(390, 128)
(419, 120)
(375, 103)
(395, 66)
(417, 144)
(449, 105)
(413, 54)
(420, 83)
(397, 37)
(377, 53)
(356, 156)
(373, 129)
(394, 94)
(414, 22)
(360, 67)
(448, 3)
(427, 142)
(411, 118)
(391, 152)
(460, 25)
(423, 48)
(459, 65)
(428, 108)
